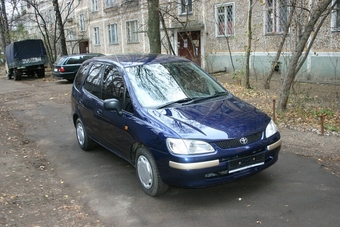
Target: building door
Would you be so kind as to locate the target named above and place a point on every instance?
(84, 47)
(189, 45)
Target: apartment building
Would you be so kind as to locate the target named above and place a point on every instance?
(213, 33)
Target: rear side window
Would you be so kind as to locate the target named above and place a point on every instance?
(80, 75)
(93, 80)
(61, 60)
(75, 60)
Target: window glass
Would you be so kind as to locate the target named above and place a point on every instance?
(93, 81)
(74, 60)
(96, 36)
(225, 19)
(132, 31)
(276, 16)
(113, 34)
(80, 75)
(185, 6)
(113, 85)
(156, 85)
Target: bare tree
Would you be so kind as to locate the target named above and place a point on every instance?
(52, 31)
(317, 15)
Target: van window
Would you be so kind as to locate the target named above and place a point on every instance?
(80, 75)
(93, 81)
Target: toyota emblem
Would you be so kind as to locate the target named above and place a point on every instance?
(244, 140)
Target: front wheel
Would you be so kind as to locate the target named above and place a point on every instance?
(84, 141)
(148, 175)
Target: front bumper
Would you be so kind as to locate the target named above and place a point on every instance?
(220, 170)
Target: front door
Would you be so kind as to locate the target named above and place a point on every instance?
(84, 47)
(189, 45)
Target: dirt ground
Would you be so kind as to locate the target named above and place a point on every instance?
(32, 194)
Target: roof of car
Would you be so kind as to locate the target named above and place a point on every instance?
(83, 54)
(127, 60)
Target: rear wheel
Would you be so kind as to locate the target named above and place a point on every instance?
(41, 73)
(16, 74)
(84, 141)
(148, 175)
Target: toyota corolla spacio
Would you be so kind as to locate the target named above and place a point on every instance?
(171, 120)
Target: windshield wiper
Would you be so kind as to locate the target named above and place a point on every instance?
(175, 102)
(217, 94)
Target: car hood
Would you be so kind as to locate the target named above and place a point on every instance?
(219, 119)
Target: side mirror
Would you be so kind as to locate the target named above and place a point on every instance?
(113, 104)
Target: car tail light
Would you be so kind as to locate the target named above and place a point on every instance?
(61, 69)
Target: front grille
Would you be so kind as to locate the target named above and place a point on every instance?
(224, 144)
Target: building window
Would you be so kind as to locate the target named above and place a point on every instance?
(82, 22)
(276, 16)
(94, 5)
(113, 35)
(225, 17)
(185, 6)
(51, 16)
(335, 24)
(110, 3)
(71, 35)
(132, 31)
(96, 36)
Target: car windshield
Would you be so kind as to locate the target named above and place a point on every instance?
(161, 85)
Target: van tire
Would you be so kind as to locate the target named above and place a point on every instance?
(84, 141)
(147, 173)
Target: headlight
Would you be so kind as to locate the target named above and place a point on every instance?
(183, 146)
(271, 129)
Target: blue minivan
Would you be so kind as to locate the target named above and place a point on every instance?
(171, 120)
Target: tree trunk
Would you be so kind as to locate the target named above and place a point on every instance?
(291, 73)
(60, 27)
(153, 27)
(5, 37)
(248, 50)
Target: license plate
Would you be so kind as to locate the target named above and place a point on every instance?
(243, 163)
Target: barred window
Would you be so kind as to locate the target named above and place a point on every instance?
(224, 14)
(276, 16)
(113, 34)
(132, 31)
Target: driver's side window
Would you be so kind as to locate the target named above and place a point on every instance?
(114, 87)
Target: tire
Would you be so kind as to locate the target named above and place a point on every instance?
(16, 75)
(148, 175)
(41, 73)
(84, 141)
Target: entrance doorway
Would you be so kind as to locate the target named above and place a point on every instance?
(83, 47)
(189, 45)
